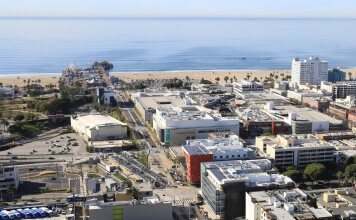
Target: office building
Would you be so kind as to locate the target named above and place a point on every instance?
(282, 205)
(96, 127)
(173, 126)
(310, 71)
(295, 150)
(8, 177)
(225, 183)
(339, 90)
(336, 75)
(212, 149)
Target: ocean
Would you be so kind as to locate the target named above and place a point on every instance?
(48, 45)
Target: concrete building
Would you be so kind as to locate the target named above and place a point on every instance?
(282, 205)
(305, 120)
(225, 183)
(173, 126)
(256, 121)
(247, 86)
(339, 90)
(296, 150)
(345, 109)
(96, 127)
(105, 96)
(320, 104)
(7, 91)
(281, 85)
(336, 75)
(311, 71)
(208, 88)
(149, 208)
(300, 94)
(341, 202)
(8, 177)
(212, 149)
(146, 106)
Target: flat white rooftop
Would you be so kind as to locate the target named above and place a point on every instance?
(97, 120)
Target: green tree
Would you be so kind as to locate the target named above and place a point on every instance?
(291, 168)
(340, 176)
(19, 117)
(295, 175)
(315, 171)
(350, 171)
(217, 79)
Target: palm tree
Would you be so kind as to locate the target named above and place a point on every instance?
(350, 75)
(340, 176)
(187, 78)
(231, 80)
(248, 77)
(217, 79)
(24, 81)
(226, 78)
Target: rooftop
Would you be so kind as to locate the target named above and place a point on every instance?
(217, 145)
(94, 120)
(302, 114)
(255, 113)
(294, 141)
(287, 204)
(153, 102)
(253, 172)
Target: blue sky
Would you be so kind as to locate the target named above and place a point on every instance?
(180, 8)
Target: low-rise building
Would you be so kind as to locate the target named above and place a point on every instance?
(225, 183)
(256, 121)
(173, 126)
(296, 150)
(339, 89)
(305, 120)
(146, 105)
(300, 94)
(247, 86)
(320, 104)
(208, 88)
(97, 127)
(8, 177)
(105, 96)
(212, 149)
(345, 109)
(282, 205)
(148, 208)
(341, 202)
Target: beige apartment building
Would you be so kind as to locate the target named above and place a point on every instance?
(296, 150)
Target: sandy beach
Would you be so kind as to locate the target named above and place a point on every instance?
(47, 79)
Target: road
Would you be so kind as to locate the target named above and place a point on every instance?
(136, 125)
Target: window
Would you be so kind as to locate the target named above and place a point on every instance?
(221, 157)
(227, 156)
(233, 156)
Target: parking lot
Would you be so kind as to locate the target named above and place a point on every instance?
(62, 144)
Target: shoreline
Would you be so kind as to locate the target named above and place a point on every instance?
(237, 75)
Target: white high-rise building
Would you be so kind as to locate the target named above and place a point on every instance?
(311, 71)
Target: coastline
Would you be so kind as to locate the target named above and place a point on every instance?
(52, 78)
